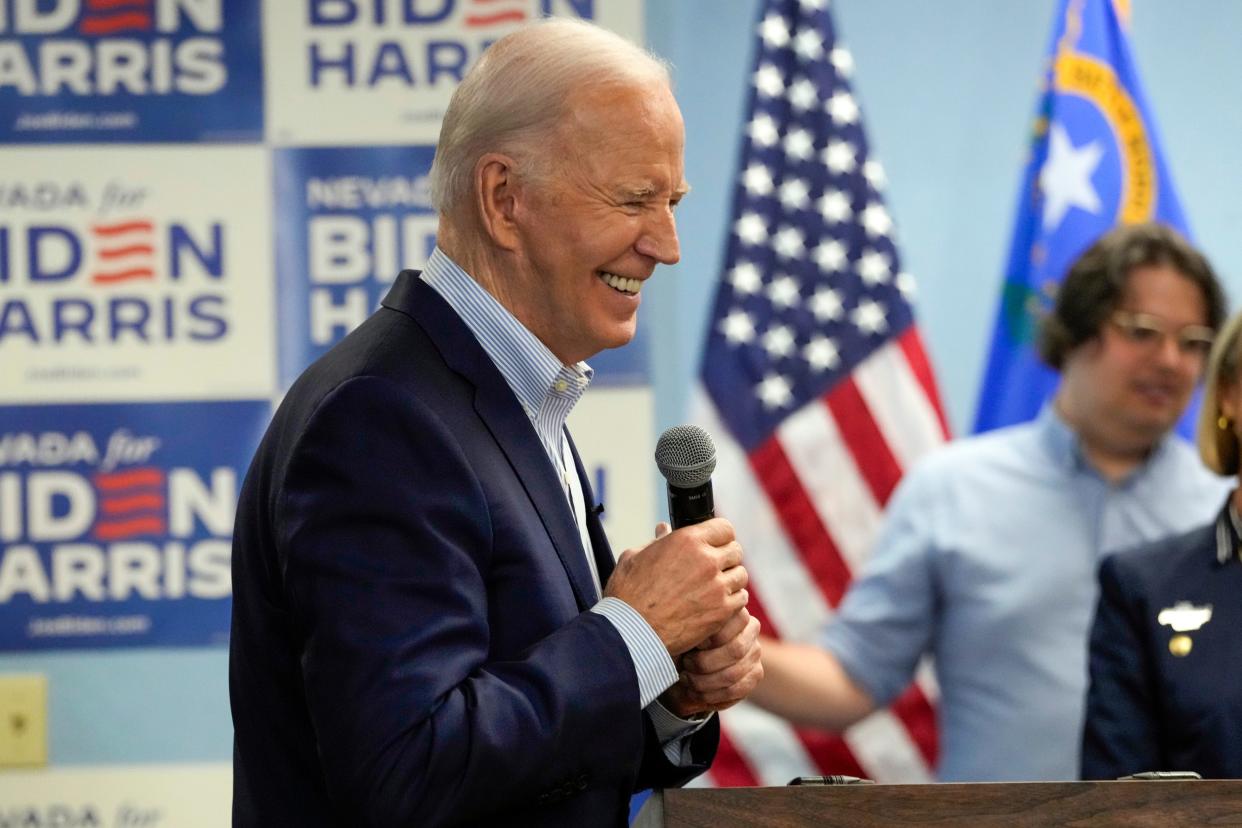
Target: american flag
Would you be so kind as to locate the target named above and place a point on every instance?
(817, 385)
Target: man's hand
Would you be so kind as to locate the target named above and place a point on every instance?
(721, 671)
(686, 584)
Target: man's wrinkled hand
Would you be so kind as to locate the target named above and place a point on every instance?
(721, 671)
(687, 584)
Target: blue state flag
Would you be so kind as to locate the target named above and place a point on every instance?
(1095, 162)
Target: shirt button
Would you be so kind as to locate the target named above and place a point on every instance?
(561, 386)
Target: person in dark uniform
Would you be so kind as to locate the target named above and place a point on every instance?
(1165, 694)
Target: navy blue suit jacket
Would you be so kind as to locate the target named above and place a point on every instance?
(1149, 709)
(411, 642)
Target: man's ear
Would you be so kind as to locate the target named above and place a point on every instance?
(496, 190)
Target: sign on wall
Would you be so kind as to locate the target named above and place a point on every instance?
(239, 195)
(137, 274)
(382, 71)
(79, 71)
(116, 521)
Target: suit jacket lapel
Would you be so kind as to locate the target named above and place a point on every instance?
(605, 563)
(503, 415)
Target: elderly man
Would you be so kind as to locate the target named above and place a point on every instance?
(989, 550)
(420, 635)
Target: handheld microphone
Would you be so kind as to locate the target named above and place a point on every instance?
(686, 457)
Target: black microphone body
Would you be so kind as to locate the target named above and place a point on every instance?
(687, 507)
(686, 457)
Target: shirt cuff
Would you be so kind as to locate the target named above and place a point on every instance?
(655, 669)
(674, 732)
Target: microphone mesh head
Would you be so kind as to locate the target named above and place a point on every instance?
(686, 456)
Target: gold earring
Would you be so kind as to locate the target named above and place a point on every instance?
(1222, 422)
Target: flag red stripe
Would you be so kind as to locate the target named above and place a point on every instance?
(729, 769)
(112, 530)
(130, 250)
(132, 503)
(916, 355)
(800, 519)
(123, 227)
(863, 438)
(830, 752)
(123, 480)
(918, 715)
(136, 21)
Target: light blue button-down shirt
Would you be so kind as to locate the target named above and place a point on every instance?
(987, 561)
(547, 391)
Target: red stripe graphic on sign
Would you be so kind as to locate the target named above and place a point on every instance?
(107, 5)
(131, 250)
(488, 13)
(106, 277)
(129, 479)
(128, 504)
(116, 530)
(133, 503)
(476, 20)
(127, 249)
(123, 227)
(125, 22)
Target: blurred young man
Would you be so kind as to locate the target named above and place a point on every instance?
(989, 550)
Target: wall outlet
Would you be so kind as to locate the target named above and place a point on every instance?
(23, 720)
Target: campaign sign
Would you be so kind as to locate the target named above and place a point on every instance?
(135, 273)
(382, 71)
(116, 522)
(350, 219)
(89, 71)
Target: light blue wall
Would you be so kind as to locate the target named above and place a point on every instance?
(947, 90)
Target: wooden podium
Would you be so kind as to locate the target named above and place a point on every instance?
(1130, 803)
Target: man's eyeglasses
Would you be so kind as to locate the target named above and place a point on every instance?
(1147, 330)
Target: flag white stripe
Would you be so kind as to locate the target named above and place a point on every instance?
(769, 746)
(883, 746)
(832, 481)
(899, 405)
(794, 604)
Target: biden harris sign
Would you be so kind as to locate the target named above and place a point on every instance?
(116, 522)
(75, 71)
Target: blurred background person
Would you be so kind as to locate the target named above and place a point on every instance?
(1163, 695)
(989, 549)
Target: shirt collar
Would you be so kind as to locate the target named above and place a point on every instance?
(1228, 532)
(1065, 446)
(528, 366)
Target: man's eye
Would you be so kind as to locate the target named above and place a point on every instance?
(1197, 345)
(1143, 333)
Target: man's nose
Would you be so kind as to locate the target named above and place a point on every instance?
(659, 239)
(1170, 352)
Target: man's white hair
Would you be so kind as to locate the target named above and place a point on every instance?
(516, 95)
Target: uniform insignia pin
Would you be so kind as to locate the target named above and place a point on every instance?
(1185, 616)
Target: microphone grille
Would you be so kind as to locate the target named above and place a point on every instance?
(686, 456)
